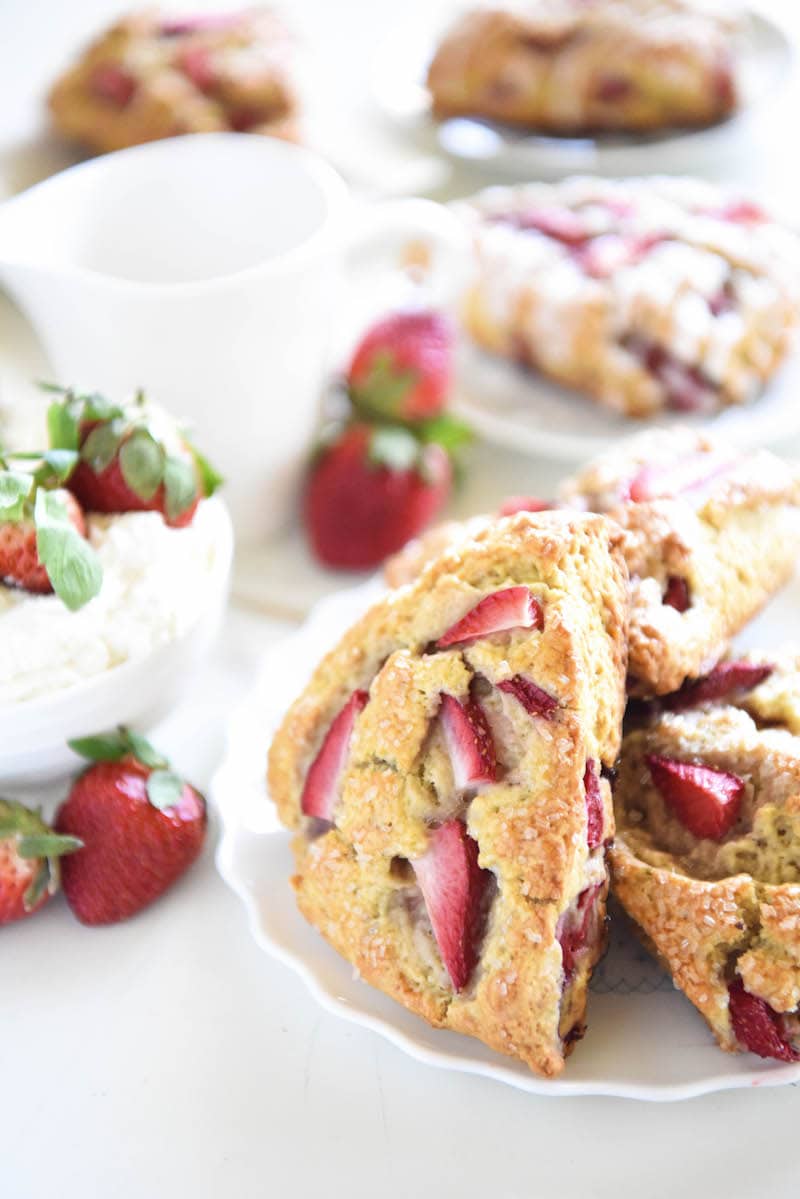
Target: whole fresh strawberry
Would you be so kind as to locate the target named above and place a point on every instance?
(141, 826)
(370, 490)
(43, 546)
(402, 368)
(130, 458)
(29, 861)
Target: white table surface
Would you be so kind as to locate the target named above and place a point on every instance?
(168, 1058)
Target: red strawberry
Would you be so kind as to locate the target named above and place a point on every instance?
(706, 801)
(370, 491)
(560, 224)
(402, 368)
(510, 608)
(454, 887)
(29, 861)
(523, 503)
(740, 212)
(124, 462)
(321, 790)
(677, 594)
(602, 256)
(724, 680)
(20, 564)
(595, 815)
(533, 698)
(577, 927)
(113, 83)
(43, 546)
(140, 824)
(469, 742)
(756, 1026)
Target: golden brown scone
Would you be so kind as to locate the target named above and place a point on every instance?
(711, 533)
(707, 862)
(567, 66)
(150, 76)
(647, 295)
(448, 799)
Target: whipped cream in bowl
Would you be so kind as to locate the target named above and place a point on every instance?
(128, 655)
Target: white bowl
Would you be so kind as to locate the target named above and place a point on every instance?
(139, 692)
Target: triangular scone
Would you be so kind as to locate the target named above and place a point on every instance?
(707, 863)
(443, 769)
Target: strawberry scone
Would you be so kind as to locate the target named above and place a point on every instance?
(444, 771)
(648, 295)
(707, 863)
(710, 534)
(568, 66)
(150, 76)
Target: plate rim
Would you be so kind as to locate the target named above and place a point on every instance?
(226, 784)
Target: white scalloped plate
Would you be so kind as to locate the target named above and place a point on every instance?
(645, 1040)
(398, 86)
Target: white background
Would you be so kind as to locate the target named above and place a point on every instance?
(168, 1057)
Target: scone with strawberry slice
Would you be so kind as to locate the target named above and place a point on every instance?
(647, 295)
(151, 76)
(707, 863)
(444, 773)
(711, 533)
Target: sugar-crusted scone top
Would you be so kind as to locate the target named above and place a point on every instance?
(520, 830)
(650, 294)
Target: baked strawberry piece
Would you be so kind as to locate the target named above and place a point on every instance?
(706, 863)
(128, 458)
(150, 76)
(43, 545)
(443, 773)
(624, 65)
(139, 825)
(648, 295)
(711, 534)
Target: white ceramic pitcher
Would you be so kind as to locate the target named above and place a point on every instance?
(205, 270)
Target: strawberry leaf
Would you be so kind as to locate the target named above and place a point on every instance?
(58, 465)
(141, 461)
(143, 751)
(102, 444)
(103, 747)
(393, 447)
(45, 879)
(63, 427)
(180, 486)
(15, 487)
(47, 845)
(384, 389)
(447, 431)
(72, 566)
(164, 789)
(210, 479)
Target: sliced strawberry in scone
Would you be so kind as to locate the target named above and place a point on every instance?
(469, 742)
(321, 790)
(453, 887)
(725, 680)
(461, 829)
(706, 801)
(533, 699)
(499, 612)
(756, 1026)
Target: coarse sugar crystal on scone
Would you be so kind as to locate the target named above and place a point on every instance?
(567, 67)
(707, 863)
(444, 772)
(648, 295)
(151, 76)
